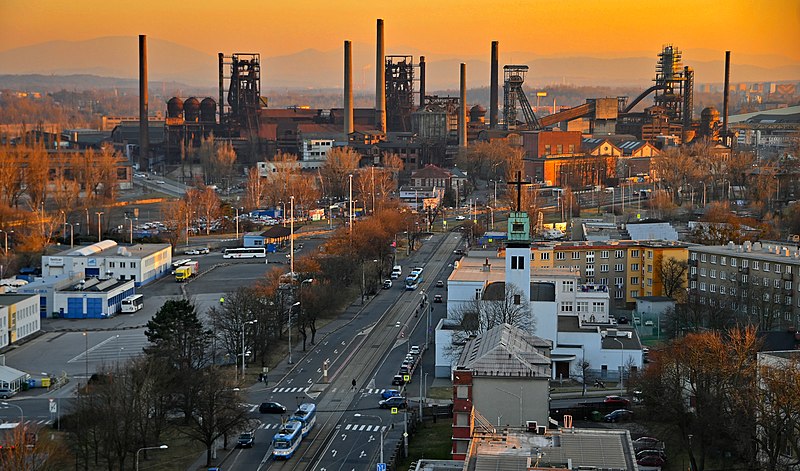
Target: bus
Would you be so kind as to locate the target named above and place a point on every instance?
(287, 440)
(306, 414)
(412, 281)
(133, 303)
(247, 252)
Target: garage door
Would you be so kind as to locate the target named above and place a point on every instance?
(94, 307)
(92, 272)
(74, 308)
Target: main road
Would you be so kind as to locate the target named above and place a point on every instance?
(368, 349)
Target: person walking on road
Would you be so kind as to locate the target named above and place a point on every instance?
(354, 385)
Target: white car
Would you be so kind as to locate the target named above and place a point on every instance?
(160, 182)
(460, 218)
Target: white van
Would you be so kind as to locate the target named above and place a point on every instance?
(396, 272)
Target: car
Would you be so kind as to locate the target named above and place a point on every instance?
(643, 443)
(618, 415)
(394, 275)
(271, 408)
(398, 380)
(414, 350)
(160, 182)
(390, 393)
(651, 460)
(617, 400)
(637, 320)
(246, 439)
(405, 365)
(458, 251)
(199, 251)
(387, 284)
(460, 218)
(410, 358)
(651, 452)
(440, 284)
(437, 298)
(396, 401)
(5, 393)
(622, 320)
(404, 370)
(648, 323)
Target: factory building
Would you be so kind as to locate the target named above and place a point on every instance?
(91, 298)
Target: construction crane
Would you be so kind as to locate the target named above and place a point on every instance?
(514, 76)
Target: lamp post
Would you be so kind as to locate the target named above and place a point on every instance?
(88, 227)
(290, 329)
(99, 231)
(519, 398)
(350, 206)
(381, 430)
(5, 233)
(131, 220)
(612, 202)
(704, 194)
(21, 412)
(160, 447)
(621, 365)
(86, 355)
(291, 236)
(72, 232)
(243, 349)
(237, 222)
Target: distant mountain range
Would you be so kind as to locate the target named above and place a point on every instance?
(179, 66)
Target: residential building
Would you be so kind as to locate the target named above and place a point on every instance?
(19, 314)
(503, 375)
(758, 281)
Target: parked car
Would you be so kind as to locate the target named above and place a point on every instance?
(648, 323)
(618, 415)
(651, 460)
(398, 380)
(414, 350)
(651, 452)
(387, 284)
(5, 393)
(440, 284)
(390, 393)
(623, 320)
(437, 298)
(403, 370)
(406, 364)
(271, 408)
(396, 401)
(247, 439)
(617, 400)
(460, 218)
(643, 443)
(160, 182)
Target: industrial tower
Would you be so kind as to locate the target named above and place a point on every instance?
(399, 92)
(512, 92)
(244, 90)
(671, 83)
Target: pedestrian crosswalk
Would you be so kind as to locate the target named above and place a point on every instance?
(348, 427)
(374, 391)
(291, 390)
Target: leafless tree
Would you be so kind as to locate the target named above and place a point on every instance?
(673, 277)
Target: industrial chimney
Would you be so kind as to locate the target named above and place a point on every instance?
(421, 81)
(462, 111)
(493, 87)
(380, 82)
(144, 138)
(725, 94)
(348, 89)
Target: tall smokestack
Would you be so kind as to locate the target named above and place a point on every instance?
(221, 103)
(725, 94)
(348, 88)
(494, 85)
(144, 138)
(421, 81)
(380, 81)
(462, 111)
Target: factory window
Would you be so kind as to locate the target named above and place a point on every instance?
(559, 149)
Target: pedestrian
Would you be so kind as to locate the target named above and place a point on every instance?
(354, 385)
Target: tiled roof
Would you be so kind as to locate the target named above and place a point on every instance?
(431, 171)
(507, 350)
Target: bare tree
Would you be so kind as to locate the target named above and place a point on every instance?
(672, 273)
(342, 162)
(479, 315)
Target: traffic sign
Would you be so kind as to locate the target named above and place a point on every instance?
(381, 466)
(406, 378)
(394, 410)
(53, 406)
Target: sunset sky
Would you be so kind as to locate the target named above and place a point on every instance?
(448, 27)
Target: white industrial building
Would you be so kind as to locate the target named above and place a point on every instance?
(92, 298)
(19, 315)
(141, 263)
(574, 317)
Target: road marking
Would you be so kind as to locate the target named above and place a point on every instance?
(348, 426)
(333, 452)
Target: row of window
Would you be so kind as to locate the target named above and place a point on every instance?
(753, 309)
(745, 263)
(121, 264)
(604, 254)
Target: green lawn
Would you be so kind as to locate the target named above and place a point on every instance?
(432, 441)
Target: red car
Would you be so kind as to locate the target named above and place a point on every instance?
(617, 401)
(651, 460)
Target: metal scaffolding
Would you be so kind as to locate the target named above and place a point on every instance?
(399, 92)
(514, 76)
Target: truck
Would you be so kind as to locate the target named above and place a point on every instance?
(187, 270)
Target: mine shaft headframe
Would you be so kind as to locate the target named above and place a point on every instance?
(514, 77)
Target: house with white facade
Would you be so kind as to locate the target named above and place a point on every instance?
(20, 316)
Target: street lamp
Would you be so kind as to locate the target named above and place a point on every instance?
(86, 355)
(21, 413)
(350, 206)
(237, 222)
(160, 447)
(291, 236)
(5, 233)
(99, 232)
(290, 328)
(131, 220)
(381, 430)
(518, 398)
(621, 365)
(243, 352)
(612, 202)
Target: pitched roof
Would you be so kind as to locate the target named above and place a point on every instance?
(277, 232)
(506, 350)
(431, 171)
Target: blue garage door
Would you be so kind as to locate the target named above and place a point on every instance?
(92, 272)
(94, 307)
(74, 308)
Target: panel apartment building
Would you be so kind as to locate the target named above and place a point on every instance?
(629, 268)
(758, 281)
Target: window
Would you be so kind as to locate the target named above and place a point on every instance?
(788, 300)
(721, 289)
(619, 294)
(722, 260)
(702, 286)
(693, 271)
(547, 149)
(576, 255)
(603, 268)
(649, 268)
(462, 392)
(618, 254)
(561, 256)
(766, 266)
(566, 306)
(634, 280)
(559, 148)
(776, 283)
(723, 275)
(517, 262)
(567, 286)
(745, 263)
(590, 255)
(766, 282)
(789, 269)
(693, 285)
(650, 254)
(649, 282)
(110, 264)
(604, 281)
(744, 278)
(635, 293)
(634, 253)
(755, 264)
(703, 257)
(516, 299)
(634, 267)
(598, 306)
(733, 262)
(776, 298)
(133, 264)
(545, 256)
(712, 273)
(702, 271)
(618, 267)
(732, 291)
(589, 270)
(693, 256)
(712, 288)
(582, 306)
(604, 254)
(714, 259)
(787, 285)
(122, 264)
(618, 281)
(777, 268)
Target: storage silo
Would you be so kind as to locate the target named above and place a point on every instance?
(208, 110)
(191, 110)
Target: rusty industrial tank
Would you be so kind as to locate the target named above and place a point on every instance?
(191, 110)
(175, 107)
(477, 114)
(208, 110)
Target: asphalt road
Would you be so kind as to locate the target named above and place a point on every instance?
(368, 349)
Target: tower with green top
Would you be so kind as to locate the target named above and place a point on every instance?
(518, 246)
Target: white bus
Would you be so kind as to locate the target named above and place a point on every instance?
(249, 252)
(133, 303)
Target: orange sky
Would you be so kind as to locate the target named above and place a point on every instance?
(452, 27)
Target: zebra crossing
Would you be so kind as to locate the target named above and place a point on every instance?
(291, 390)
(374, 391)
(364, 428)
